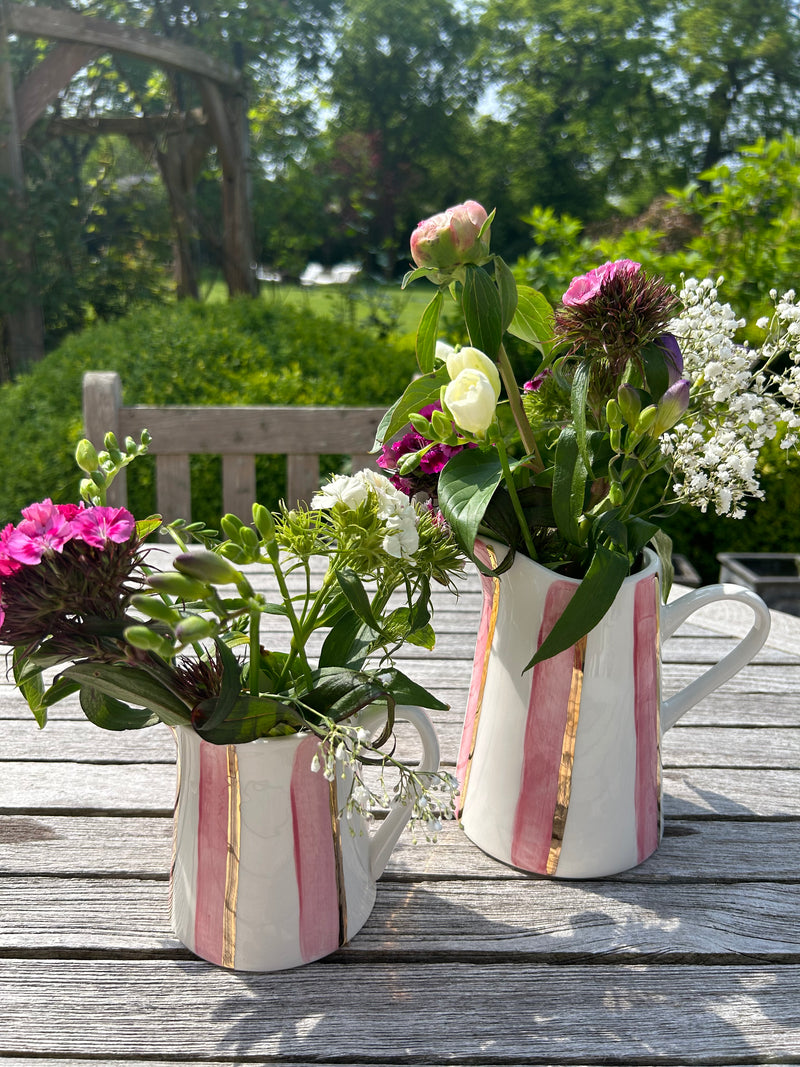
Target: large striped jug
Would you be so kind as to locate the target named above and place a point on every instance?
(560, 766)
(267, 872)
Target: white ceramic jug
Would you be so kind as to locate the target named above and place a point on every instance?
(266, 873)
(560, 766)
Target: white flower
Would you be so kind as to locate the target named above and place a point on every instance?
(392, 506)
(470, 399)
(473, 358)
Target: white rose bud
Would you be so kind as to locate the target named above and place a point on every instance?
(474, 359)
(471, 400)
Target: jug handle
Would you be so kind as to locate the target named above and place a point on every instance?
(385, 837)
(672, 615)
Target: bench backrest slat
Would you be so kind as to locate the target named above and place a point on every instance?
(238, 434)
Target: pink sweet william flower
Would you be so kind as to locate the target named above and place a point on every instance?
(99, 525)
(451, 238)
(587, 286)
(7, 563)
(43, 528)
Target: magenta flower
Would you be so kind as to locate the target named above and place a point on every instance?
(7, 563)
(587, 286)
(424, 479)
(43, 528)
(450, 239)
(99, 525)
(537, 381)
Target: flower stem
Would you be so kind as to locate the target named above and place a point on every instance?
(517, 410)
(255, 652)
(515, 501)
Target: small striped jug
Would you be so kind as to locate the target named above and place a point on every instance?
(560, 766)
(268, 872)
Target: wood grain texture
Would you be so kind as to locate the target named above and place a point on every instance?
(504, 1013)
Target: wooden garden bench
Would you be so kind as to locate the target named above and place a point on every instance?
(238, 434)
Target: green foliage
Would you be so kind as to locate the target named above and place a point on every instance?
(242, 352)
(742, 223)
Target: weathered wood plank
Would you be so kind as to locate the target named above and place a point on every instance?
(446, 1012)
(699, 746)
(140, 847)
(31, 787)
(539, 921)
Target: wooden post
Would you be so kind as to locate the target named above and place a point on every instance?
(23, 328)
(102, 399)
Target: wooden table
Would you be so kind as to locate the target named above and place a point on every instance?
(692, 958)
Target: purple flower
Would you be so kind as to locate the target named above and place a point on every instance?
(673, 357)
(671, 407)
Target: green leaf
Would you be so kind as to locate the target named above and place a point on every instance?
(480, 303)
(466, 486)
(507, 289)
(30, 684)
(592, 599)
(253, 717)
(144, 527)
(348, 643)
(578, 397)
(419, 393)
(423, 637)
(569, 486)
(662, 543)
(533, 320)
(111, 714)
(427, 332)
(230, 688)
(130, 684)
(406, 691)
(656, 373)
(353, 589)
(418, 272)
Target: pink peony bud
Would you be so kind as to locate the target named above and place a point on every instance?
(451, 238)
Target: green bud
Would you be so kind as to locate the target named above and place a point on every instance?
(207, 566)
(421, 425)
(630, 403)
(86, 456)
(98, 478)
(178, 585)
(235, 553)
(264, 523)
(154, 608)
(614, 415)
(194, 628)
(408, 463)
(442, 427)
(616, 494)
(144, 638)
(646, 419)
(249, 539)
(231, 526)
(615, 438)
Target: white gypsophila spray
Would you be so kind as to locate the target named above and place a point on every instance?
(737, 403)
(429, 794)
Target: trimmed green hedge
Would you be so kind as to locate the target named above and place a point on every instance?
(240, 352)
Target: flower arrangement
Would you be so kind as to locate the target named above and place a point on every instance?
(182, 645)
(629, 382)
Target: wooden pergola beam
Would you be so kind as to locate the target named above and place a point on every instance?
(113, 36)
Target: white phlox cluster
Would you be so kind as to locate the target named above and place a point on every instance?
(393, 507)
(737, 401)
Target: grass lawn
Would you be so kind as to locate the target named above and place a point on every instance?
(393, 310)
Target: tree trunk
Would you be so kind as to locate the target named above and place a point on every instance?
(22, 329)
